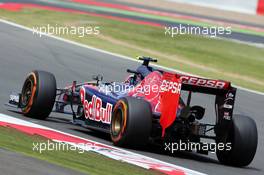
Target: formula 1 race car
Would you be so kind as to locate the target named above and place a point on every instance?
(146, 108)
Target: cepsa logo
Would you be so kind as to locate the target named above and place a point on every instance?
(174, 87)
(204, 82)
(94, 110)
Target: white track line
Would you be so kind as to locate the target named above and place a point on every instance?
(12, 120)
(110, 53)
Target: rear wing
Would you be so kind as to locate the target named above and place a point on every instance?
(204, 85)
(224, 94)
(173, 84)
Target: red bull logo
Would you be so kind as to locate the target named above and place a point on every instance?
(94, 109)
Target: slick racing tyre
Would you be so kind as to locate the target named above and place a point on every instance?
(131, 122)
(38, 94)
(243, 137)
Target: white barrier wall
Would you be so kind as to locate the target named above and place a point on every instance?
(244, 6)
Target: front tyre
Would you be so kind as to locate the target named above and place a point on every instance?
(243, 137)
(131, 122)
(38, 94)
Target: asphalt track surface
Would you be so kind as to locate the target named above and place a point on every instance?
(69, 5)
(21, 52)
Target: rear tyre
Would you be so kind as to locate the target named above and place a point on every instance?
(131, 122)
(243, 137)
(38, 94)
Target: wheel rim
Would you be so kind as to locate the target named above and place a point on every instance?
(27, 93)
(117, 122)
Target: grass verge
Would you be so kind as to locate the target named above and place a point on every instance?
(87, 162)
(220, 59)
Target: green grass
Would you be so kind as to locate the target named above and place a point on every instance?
(87, 162)
(213, 58)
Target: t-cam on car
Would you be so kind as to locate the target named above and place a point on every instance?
(146, 108)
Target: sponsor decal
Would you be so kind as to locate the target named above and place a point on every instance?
(14, 98)
(217, 84)
(94, 109)
(171, 87)
(227, 106)
(227, 116)
(228, 102)
(230, 95)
